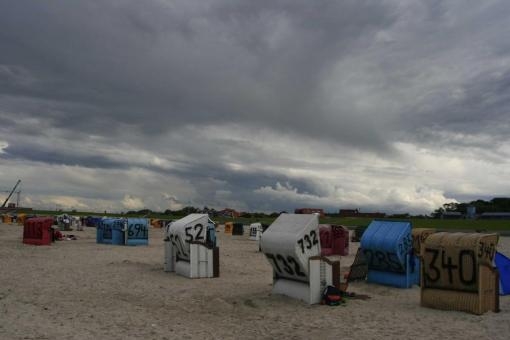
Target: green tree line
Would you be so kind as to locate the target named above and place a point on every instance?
(498, 204)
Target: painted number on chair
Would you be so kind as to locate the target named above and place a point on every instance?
(285, 265)
(308, 241)
(181, 242)
(450, 269)
(194, 233)
(180, 251)
(383, 261)
(405, 245)
(486, 251)
(138, 231)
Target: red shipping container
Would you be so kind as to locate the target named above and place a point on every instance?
(38, 231)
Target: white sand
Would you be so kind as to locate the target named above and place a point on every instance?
(83, 290)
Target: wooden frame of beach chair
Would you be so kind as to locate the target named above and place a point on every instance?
(484, 300)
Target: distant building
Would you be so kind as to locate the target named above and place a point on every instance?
(471, 212)
(229, 213)
(309, 211)
(451, 215)
(495, 216)
(357, 213)
(348, 212)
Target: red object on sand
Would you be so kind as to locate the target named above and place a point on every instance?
(37, 231)
(334, 240)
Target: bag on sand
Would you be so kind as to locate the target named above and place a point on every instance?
(332, 296)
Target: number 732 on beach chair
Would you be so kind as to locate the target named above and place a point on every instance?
(292, 247)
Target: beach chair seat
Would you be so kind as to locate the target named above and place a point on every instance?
(387, 246)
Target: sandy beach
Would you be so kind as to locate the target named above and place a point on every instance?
(77, 289)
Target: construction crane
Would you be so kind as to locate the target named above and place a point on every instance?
(10, 194)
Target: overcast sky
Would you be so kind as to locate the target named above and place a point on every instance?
(267, 105)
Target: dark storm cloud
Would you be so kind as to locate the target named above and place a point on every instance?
(52, 156)
(477, 122)
(485, 104)
(207, 175)
(450, 72)
(183, 89)
(250, 180)
(241, 187)
(159, 65)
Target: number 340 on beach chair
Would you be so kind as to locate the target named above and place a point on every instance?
(458, 272)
